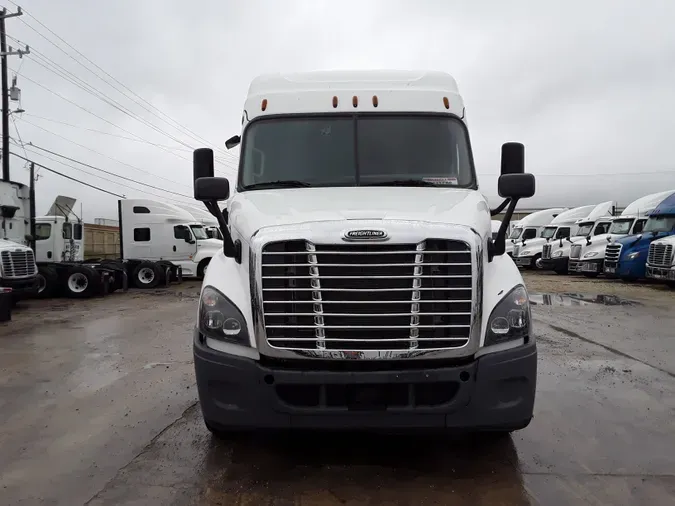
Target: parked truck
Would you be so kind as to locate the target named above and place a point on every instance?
(596, 224)
(630, 222)
(358, 285)
(661, 260)
(530, 227)
(528, 253)
(626, 257)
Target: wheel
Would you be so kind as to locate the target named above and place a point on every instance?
(536, 263)
(48, 281)
(147, 275)
(81, 282)
(201, 268)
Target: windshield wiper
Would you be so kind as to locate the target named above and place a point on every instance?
(288, 183)
(402, 182)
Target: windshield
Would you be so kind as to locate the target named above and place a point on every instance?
(584, 229)
(621, 227)
(199, 232)
(548, 232)
(515, 234)
(660, 224)
(357, 150)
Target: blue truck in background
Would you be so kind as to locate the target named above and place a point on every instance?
(626, 258)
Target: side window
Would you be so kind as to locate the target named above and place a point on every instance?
(77, 231)
(562, 233)
(67, 230)
(141, 234)
(181, 232)
(42, 231)
(602, 228)
(530, 233)
(141, 210)
(639, 225)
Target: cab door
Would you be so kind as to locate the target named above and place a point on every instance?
(184, 245)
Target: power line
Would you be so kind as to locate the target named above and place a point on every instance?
(604, 174)
(108, 172)
(69, 177)
(179, 126)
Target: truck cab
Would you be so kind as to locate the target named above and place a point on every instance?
(631, 222)
(18, 270)
(626, 257)
(530, 227)
(156, 231)
(358, 285)
(661, 260)
(58, 239)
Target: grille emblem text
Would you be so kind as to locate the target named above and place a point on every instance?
(365, 235)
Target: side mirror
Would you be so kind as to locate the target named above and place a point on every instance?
(516, 186)
(212, 188)
(202, 164)
(513, 158)
(232, 141)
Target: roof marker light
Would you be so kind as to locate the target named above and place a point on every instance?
(355, 101)
(446, 102)
(375, 102)
(264, 104)
(335, 102)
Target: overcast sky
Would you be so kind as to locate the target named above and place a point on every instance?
(588, 87)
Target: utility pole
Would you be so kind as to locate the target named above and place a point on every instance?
(5, 91)
(31, 193)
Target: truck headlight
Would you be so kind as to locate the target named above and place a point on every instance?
(510, 319)
(558, 253)
(220, 319)
(591, 254)
(634, 255)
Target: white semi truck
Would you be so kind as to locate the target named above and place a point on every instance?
(531, 227)
(630, 222)
(661, 260)
(358, 285)
(205, 218)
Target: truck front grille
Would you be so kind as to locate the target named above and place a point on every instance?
(546, 252)
(18, 264)
(575, 251)
(367, 297)
(660, 255)
(612, 254)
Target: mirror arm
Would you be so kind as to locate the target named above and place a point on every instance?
(499, 208)
(230, 248)
(498, 246)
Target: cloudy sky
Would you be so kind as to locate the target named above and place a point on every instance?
(589, 87)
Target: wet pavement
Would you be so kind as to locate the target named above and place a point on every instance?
(99, 408)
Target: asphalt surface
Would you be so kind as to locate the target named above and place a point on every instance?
(98, 406)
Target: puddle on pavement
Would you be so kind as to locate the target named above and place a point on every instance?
(578, 299)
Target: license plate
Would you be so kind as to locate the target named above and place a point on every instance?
(610, 270)
(589, 267)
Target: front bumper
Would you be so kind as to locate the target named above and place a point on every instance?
(589, 266)
(21, 287)
(554, 264)
(524, 261)
(493, 392)
(661, 273)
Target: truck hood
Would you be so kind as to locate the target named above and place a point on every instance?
(638, 242)
(210, 244)
(11, 245)
(253, 210)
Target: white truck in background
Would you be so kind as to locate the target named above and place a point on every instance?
(630, 222)
(578, 223)
(531, 227)
(205, 218)
(531, 253)
(18, 270)
(661, 260)
(597, 223)
(358, 285)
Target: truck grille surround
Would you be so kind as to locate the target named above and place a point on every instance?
(18, 264)
(612, 254)
(367, 299)
(660, 255)
(546, 252)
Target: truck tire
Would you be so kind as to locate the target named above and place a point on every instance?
(201, 268)
(147, 275)
(48, 281)
(81, 282)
